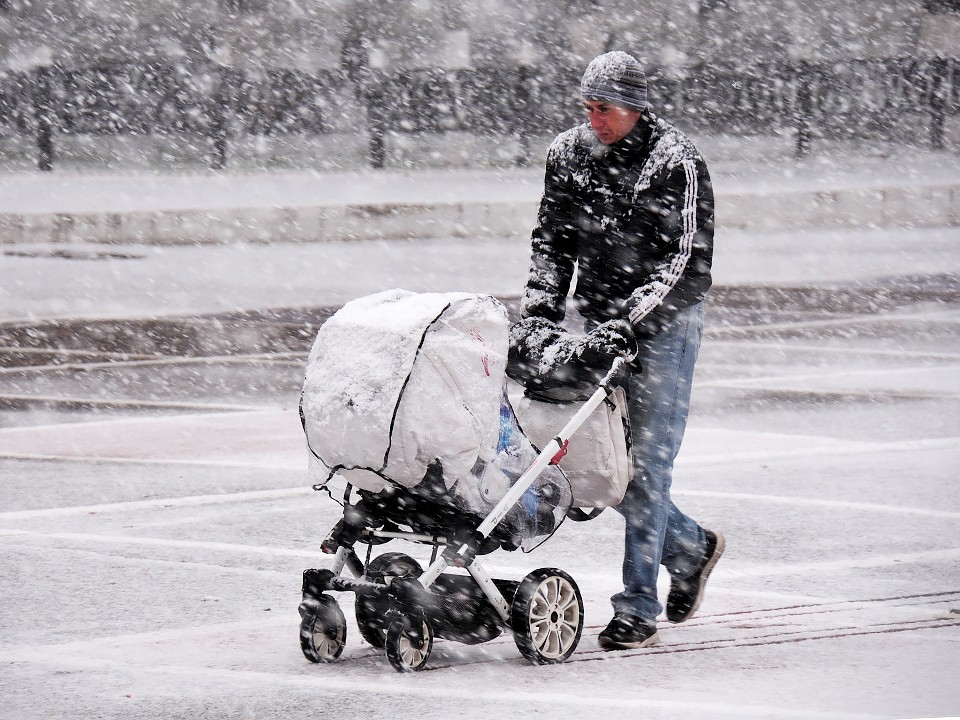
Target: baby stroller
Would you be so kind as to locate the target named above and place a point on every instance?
(406, 413)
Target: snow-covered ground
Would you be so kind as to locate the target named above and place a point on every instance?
(135, 281)
(151, 558)
(153, 529)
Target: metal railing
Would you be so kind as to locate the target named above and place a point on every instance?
(872, 98)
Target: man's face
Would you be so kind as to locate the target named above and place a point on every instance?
(610, 123)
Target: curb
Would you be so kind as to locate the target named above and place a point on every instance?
(916, 206)
(930, 205)
(285, 224)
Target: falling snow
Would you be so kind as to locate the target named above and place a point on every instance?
(188, 191)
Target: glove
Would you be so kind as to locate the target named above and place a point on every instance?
(546, 359)
(596, 351)
(612, 339)
(539, 353)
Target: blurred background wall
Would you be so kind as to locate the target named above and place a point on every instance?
(347, 83)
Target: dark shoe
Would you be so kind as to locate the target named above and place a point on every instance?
(686, 595)
(628, 631)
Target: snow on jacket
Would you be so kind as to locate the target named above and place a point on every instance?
(637, 219)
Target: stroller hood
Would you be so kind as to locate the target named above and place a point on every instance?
(398, 380)
(403, 387)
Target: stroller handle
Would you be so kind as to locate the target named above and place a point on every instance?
(617, 375)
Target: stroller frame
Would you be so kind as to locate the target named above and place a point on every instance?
(401, 608)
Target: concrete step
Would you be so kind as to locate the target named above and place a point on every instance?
(916, 190)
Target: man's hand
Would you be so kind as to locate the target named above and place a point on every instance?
(543, 356)
(605, 342)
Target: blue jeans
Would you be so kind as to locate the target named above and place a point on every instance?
(657, 533)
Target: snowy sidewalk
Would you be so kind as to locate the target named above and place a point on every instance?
(41, 282)
(919, 189)
(109, 246)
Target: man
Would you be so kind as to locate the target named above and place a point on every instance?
(628, 201)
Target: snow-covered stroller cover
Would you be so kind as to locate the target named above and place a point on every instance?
(398, 382)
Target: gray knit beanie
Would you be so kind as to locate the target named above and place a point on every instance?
(617, 78)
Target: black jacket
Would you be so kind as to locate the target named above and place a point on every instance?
(637, 218)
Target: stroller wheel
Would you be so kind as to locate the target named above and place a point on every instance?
(408, 643)
(323, 629)
(547, 616)
(372, 610)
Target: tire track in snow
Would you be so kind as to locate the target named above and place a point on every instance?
(767, 626)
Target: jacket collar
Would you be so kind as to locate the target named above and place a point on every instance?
(639, 138)
(637, 143)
